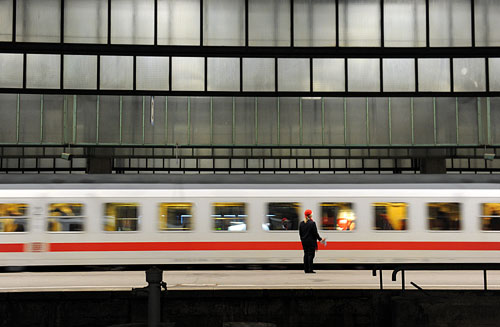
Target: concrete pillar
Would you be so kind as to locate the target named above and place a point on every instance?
(433, 166)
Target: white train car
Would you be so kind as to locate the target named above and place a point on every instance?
(247, 219)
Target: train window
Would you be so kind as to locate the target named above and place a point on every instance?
(121, 217)
(390, 215)
(282, 216)
(175, 216)
(444, 215)
(230, 216)
(13, 217)
(337, 216)
(490, 218)
(65, 217)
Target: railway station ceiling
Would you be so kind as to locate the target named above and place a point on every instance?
(215, 77)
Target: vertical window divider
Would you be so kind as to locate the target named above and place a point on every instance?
(382, 36)
(65, 119)
(452, 84)
(488, 119)
(205, 82)
(246, 23)
(241, 74)
(61, 37)
(156, 22)
(278, 120)
(134, 73)
(144, 119)
(412, 121)
(427, 25)
(234, 126)
(109, 21)
(381, 76)
(275, 74)
(346, 76)
(487, 73)
(170, 73)
(292, 43)
(98, 72)
(416, 75)
(201, 23)
(211, 120)
(14, 20)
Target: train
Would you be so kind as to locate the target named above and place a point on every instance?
(126, 220)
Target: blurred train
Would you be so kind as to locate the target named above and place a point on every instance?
(246, 219)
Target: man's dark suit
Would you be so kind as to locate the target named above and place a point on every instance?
(309, 237)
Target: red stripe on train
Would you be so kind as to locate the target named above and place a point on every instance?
(19, 247)
(271, 246)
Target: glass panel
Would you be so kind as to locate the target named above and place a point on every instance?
(86, 118)
(434, 75)
(282, 216)
(80, 72)
(132, 120)
(65, 217)
(121, 217)
(179, 22)
(258, 74)
(450, 23)
(267, 120)
(29, 118)
(224, 22)
(223, 74)
(495, 120)
(53, 118)
(490, 216)
(334, 121)
(363, 75)
(109, 119)
(289, 119)
(152, 73)
(117, 72)
(177, 119)
(311, 121)
(401, 121)
(359, 23)
(155, 120)
(269, 23)
(38, 21)
(423, 113)
(222, 120)
(487, 23)
(378, 111)
(337, 216)
(293, 74)
(6, 20)
(399, 75)
(314, 23)
(8, 117)
(444, 216)
(230, 216)
(404, 23)
(356, 121)
(13, 217)
(244, 120)
(390, 215)
(176, 216)
(188, 74)
(43, 71)
(467, 121)
(494, 72)
(78, 14)
(329, 75)
(132, 21)
(11, 66)
(200, 120)
(446, 121)
(469, 74)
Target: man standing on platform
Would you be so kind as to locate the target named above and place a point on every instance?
(309, 237)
